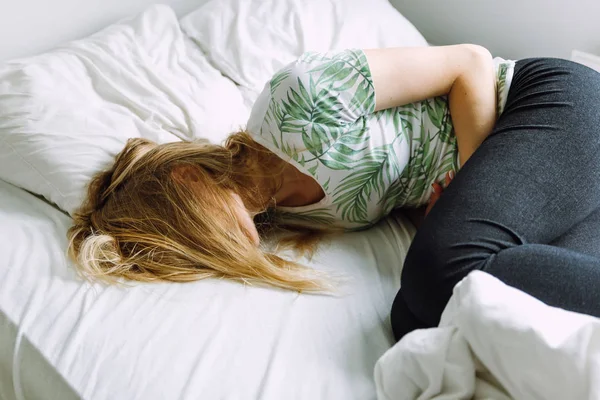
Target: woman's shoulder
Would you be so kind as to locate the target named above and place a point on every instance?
(338, 69)
(310, 103)
(325, 88)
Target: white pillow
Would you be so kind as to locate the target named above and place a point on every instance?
(66, 113)
(249, 40)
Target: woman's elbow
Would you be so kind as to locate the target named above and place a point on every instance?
(477, 54)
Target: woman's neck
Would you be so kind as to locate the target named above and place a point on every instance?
(297, 189)
(274, 182)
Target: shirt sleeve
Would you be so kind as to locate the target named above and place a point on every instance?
(315, 108)
(504, 74)
(325, 88)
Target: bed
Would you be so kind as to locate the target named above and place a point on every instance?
(65, 113)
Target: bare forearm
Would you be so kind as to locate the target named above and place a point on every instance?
(473, 103)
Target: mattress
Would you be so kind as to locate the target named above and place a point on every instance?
(62, 337)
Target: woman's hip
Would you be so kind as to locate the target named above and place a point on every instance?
(557, 97)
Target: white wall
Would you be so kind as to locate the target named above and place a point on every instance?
(31, 26)
(509, 28)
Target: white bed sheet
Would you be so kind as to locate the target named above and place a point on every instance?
(37, 378)
(209, 340)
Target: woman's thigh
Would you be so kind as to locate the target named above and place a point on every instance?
(532, 181)
(583, 237)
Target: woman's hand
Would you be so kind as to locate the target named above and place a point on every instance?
(438, 190)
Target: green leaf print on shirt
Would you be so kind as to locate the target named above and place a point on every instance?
(430, 160)
(390, 116)
(347, 149)
(501, 79)
(315, 108)
(340, 73)
(371, 177)
(278, 78)
(354, 191)
(437, 110)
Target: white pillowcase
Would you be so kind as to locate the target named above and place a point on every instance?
(65, 114)
(249, 40)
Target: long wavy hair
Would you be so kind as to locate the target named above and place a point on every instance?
(140, 223)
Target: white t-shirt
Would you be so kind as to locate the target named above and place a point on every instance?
(318, 114)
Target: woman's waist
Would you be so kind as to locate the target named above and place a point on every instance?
(433, 153)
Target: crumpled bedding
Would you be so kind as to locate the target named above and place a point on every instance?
(495, 342)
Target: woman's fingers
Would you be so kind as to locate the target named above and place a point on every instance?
(448, 178)
(429, 207)
(437, 190)
(435, 195)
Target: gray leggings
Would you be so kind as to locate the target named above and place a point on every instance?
(526, 206)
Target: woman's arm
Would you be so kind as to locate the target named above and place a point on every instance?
(463, 72)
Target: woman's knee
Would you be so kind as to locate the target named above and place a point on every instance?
(426, 282)
(403, 320)
(441, 257)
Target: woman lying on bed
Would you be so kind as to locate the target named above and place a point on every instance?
(339, 140)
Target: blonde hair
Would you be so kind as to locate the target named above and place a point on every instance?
(140, 223)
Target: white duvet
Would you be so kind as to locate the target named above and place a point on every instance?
(495, 342)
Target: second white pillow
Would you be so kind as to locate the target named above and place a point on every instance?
(249, 40)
